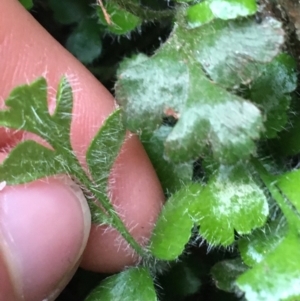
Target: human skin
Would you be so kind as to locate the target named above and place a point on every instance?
(45, 226)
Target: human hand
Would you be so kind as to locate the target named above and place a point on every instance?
(45, 225)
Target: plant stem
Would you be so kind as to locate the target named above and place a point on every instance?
(270, 183)
(116, 222)
(99, 195)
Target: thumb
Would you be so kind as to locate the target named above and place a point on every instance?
(44, 227)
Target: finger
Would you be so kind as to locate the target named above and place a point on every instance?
(26, 52)
(44, 227)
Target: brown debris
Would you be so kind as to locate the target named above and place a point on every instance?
(105, 13)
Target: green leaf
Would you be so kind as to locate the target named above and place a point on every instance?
(199, 14)
(130, 11)
(33, 116)
(104, 149)
(204, 12)
(27, 109)
(121, 21)
(232, 9)
(269, 91)
(69, 11)
(229, 51)
(255, 247)
(173, 83)
(85, 41)
(63, 111)
(36, 160)
(205, 111)
(172, 176)
(132, 284)
(231, 201)
(22, 116)
(28, 4)
(173, 227)
(225, 273)
(289, 187)
(277, 277)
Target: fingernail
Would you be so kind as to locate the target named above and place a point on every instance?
(44, 227)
